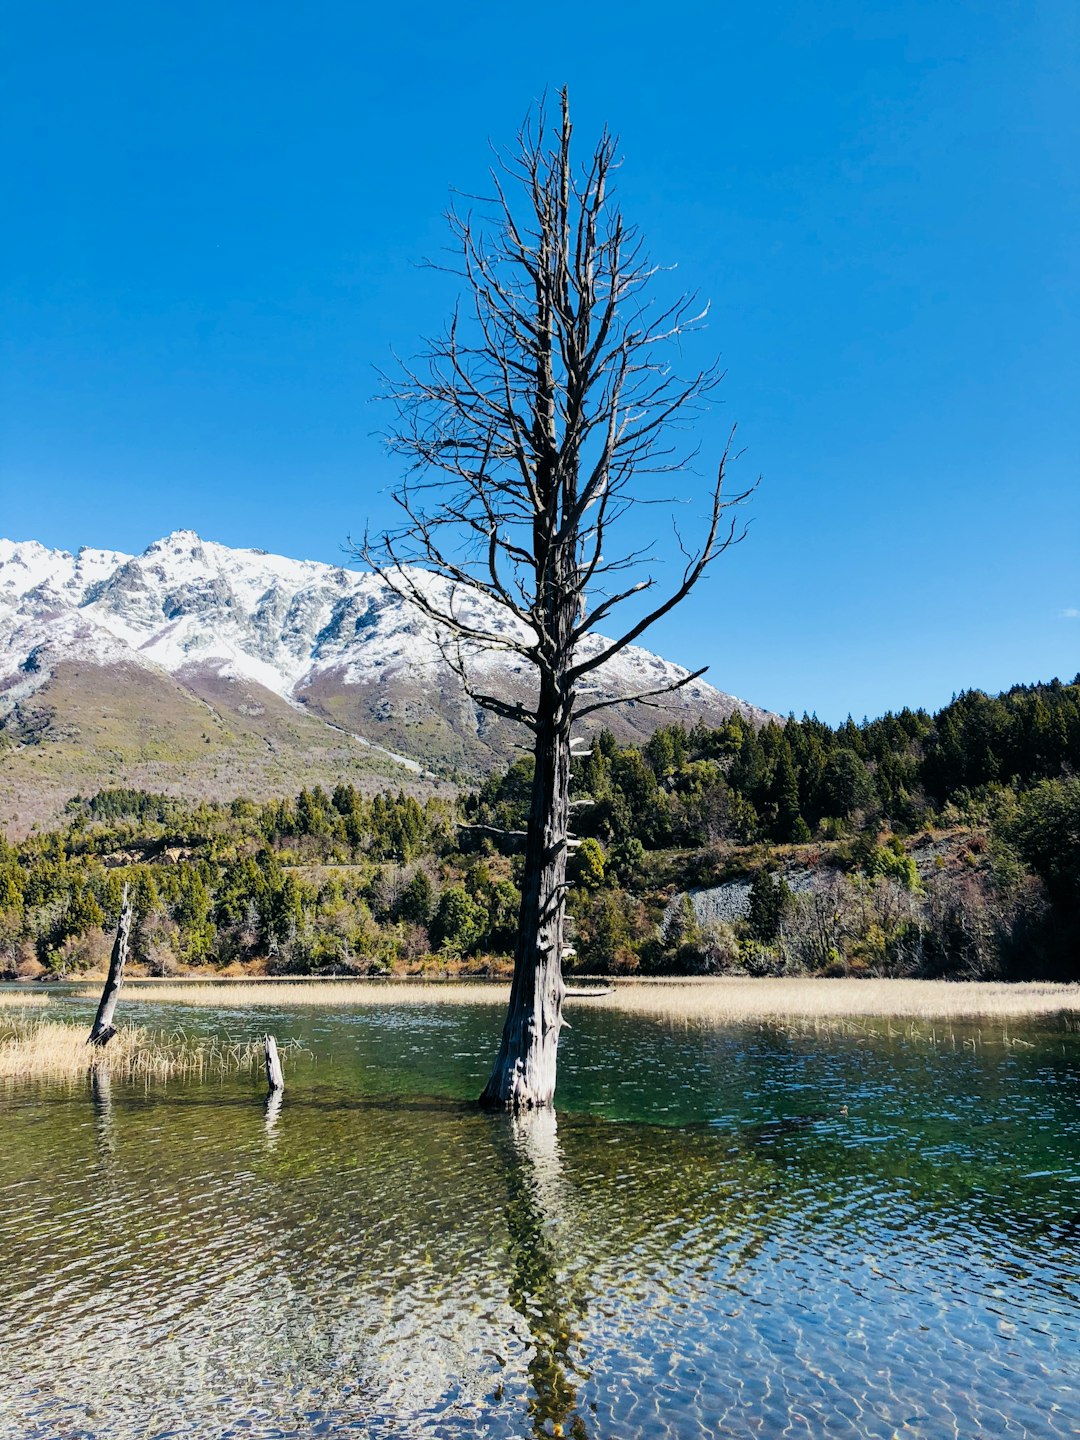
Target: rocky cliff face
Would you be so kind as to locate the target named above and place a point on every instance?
(207, 621)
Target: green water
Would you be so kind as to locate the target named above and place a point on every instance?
(703, 1242)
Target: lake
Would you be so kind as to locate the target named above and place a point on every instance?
(857, 1229)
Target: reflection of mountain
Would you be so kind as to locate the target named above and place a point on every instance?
(237, 670)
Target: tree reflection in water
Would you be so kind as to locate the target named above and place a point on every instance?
(271, 1113)
(540, 1288)
(102, 1101)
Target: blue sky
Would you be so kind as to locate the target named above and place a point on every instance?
(214, 214)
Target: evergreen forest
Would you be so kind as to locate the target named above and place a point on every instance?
(917, 844)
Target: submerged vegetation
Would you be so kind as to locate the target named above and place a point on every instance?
(914, 845)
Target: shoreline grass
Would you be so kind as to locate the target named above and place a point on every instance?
(307, 991)
(23, 1000)
(804, 997)
(716, 1000)
(55, 1048)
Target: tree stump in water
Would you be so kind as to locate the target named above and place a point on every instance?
(274, 1078)
(103, 1029)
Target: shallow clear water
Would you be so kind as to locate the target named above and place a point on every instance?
(701, 1243)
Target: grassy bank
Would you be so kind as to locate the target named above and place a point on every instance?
(22, 999)
(228, 994)
(733, 998)
(727, 998)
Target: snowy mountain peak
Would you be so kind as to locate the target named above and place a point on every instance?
(332, 641)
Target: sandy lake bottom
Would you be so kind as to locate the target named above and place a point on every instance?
(739, 1229)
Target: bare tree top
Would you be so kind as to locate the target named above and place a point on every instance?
(528, 426)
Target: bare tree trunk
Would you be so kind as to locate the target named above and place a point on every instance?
(524, 1072)
(103, 1029)
(527, 432)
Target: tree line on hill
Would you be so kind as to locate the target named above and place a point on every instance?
(944, 844)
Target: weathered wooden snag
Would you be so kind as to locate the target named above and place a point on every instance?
(103, 1029)
(275, 1080)
(528, 428)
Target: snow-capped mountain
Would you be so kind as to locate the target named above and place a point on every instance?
(244, 626)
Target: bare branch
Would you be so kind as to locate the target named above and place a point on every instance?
(643, 697)
(526, 429)
(717, 540)
(452, 652)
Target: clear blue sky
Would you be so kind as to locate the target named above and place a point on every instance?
(212, 214)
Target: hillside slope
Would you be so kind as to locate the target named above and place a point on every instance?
(198, 668)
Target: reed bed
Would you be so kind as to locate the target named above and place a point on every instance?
(282, 994)
(33, 1047)
(22, 1000)
(719, 1000)
(734, 998)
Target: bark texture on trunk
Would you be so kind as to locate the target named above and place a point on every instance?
(523, 1076)
(103, 1029)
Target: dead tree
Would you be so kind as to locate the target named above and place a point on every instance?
(275, 1080)
(527, 428)
(103, 1029)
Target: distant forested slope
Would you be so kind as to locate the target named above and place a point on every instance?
(916, 844)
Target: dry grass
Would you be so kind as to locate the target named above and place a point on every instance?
(55, 1049)
(717, 1001)
(228, 994)
(22, 999)
(733, 998)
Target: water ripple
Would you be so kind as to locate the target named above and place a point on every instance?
(738, 1255)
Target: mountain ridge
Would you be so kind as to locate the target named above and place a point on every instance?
(243, 631)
